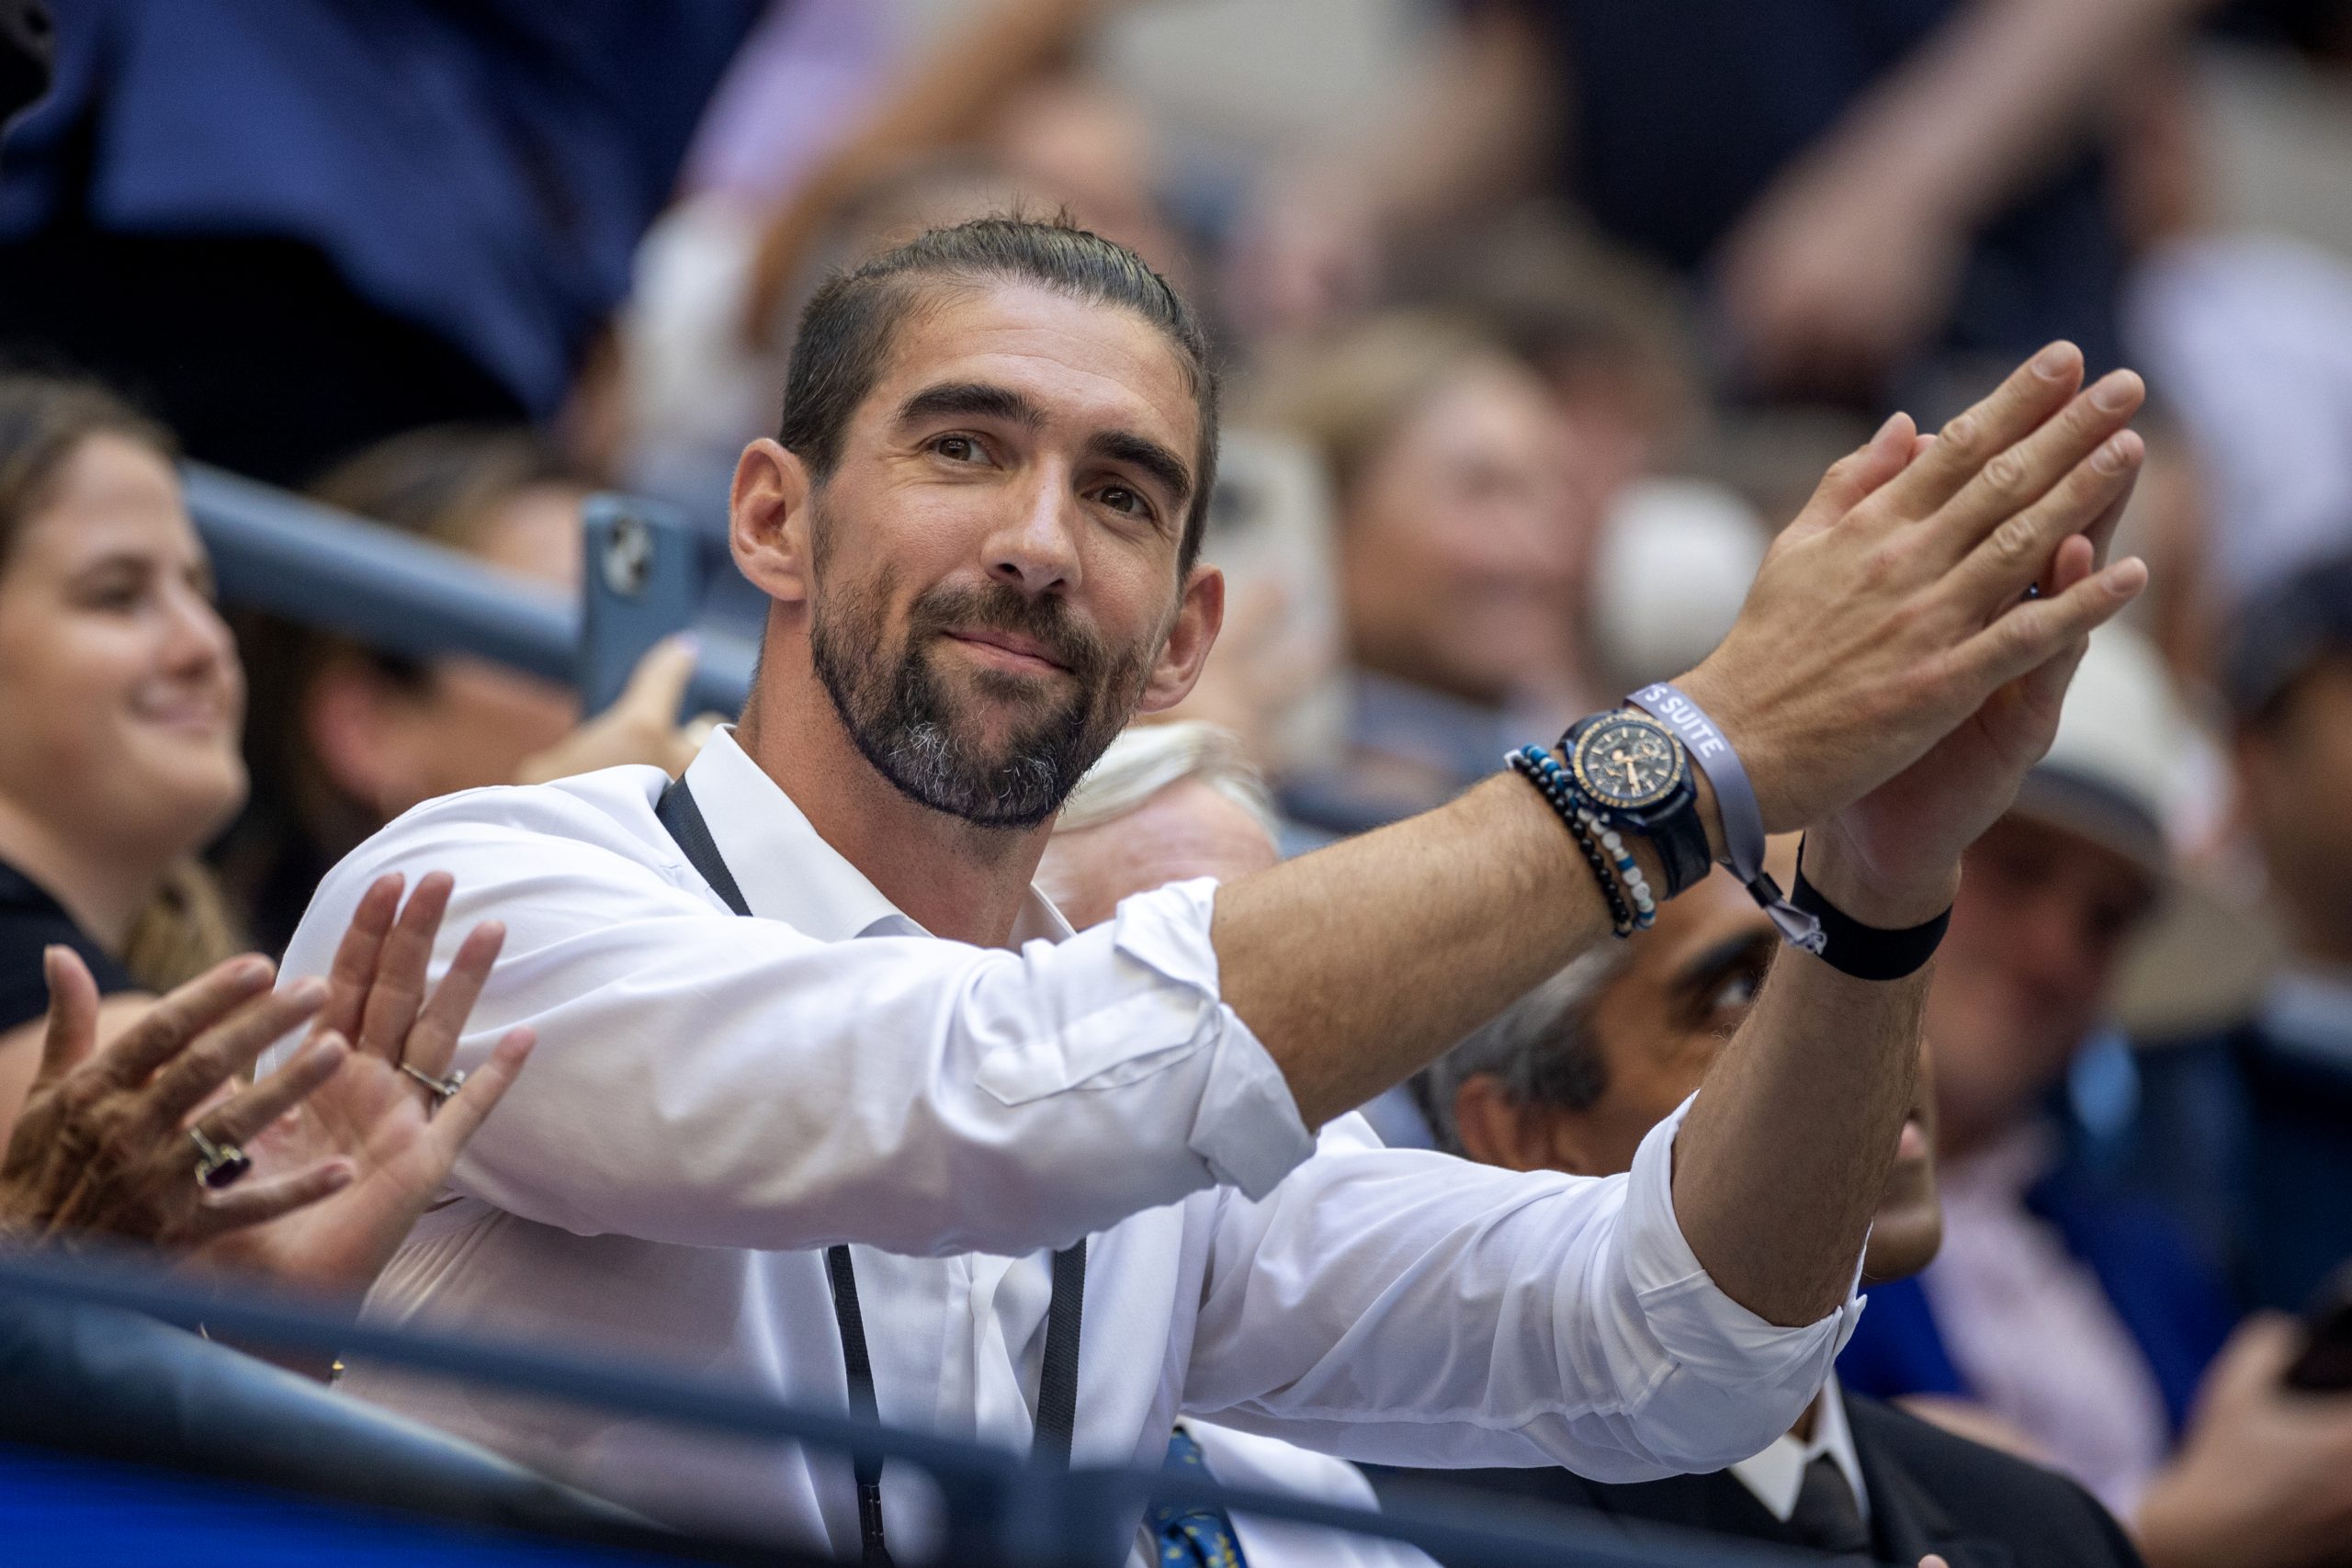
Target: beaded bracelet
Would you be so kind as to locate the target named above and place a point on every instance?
(1563, 788)
(1631, 904)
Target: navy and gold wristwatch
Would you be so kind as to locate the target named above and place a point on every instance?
(1636, 773)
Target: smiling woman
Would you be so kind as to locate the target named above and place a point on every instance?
(120, 703)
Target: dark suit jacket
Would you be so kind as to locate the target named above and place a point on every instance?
(1929, 1491)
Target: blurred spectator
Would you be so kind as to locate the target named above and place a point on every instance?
(2251, 339)
(120, 698)
(2082, 1318)
(1864, 192)
(1463, 553)
(298, 227)
(1609, 329)
(2247, 1133)
(346, 738)
(1571, 1078)
(721, 278)
(2074, 1310)
(1275, 678)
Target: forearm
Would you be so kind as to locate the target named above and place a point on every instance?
(1982, 109)
(1357, 964)
(1782, 1160)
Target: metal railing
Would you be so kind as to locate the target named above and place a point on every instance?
(278, 553)
(1001, 1508)
(308, 563)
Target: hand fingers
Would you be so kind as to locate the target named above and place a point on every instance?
(355, 956)
(73, 1032)
(247, 1114)
(2011, 480)
(461, 1116)
(434, 1040)
(2033, 392)
(2021, 551)
(2033, 633)
(1854, 477)
(2102, 532)
(656, 692)
(399, 987)
(230, 1048)
(165, 1029)
(258, 1200)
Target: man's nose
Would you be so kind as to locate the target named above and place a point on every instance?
(1035, 547)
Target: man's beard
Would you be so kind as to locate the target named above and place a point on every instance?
(896, 706)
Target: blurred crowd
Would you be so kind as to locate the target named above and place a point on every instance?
(1539, 317)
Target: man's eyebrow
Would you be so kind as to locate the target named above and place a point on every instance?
(973, 399)
(1173, 473)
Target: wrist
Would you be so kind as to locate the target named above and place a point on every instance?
(1842, 875)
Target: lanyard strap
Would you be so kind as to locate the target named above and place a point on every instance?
(1057, 1378)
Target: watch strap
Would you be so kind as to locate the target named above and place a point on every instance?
(1743, 819)
(1682, 841)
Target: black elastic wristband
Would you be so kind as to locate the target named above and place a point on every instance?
(1867, 953)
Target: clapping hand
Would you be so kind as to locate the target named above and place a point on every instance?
(378, 1115)
(103, 1144)
(1890, 678)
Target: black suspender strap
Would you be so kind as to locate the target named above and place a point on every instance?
(1057, 1378)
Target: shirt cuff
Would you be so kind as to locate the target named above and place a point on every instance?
(1247, 1128)
(1694, 1322)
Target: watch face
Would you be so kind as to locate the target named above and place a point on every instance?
(1628, 761)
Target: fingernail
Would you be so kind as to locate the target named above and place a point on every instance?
(691, 643)
(2125, 576)
(2052, 362)
(2115, 391)
(2108, 459)
(1888, 428)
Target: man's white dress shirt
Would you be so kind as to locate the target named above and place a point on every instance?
(715, 1099)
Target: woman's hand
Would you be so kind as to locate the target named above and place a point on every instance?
(640, 726)
(103, 1144)
(395, 1134)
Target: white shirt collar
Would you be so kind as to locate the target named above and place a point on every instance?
(787, 870)
(1777, 1474)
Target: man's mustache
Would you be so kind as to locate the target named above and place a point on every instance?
(1046, 622)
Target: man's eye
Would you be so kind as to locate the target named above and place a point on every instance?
(958, 448)
(1119, 497)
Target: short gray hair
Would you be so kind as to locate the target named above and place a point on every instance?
(1148, 758)
(1541, 1047)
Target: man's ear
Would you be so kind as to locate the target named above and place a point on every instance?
(1497, 1130)
(1199, 616)
(767, 521)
